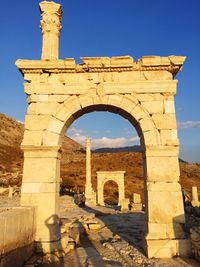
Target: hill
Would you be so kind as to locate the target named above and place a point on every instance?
(118, 149)
(73, 163)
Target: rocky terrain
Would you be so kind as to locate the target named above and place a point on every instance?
(73, 164)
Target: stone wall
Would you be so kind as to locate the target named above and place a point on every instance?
(17, 231)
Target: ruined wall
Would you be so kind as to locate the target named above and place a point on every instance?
(17, 231)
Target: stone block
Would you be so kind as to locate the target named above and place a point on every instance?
(157, 231)
(41, 170)
(165, 207)
(36, 122)
(33, 138)
(164, 121)
(51, 139)
(162, 169)
(151, 138)
(33, 98)
(14, 233)
(43, 152)
(195, 193)
(138, 112)
(169, 106)
(94, 226)
(161, 248)
(125, 204)
(149, 97)
(157, 75)
(85, 101)
(42, 108)
(72, 104)
(63, 114)
(40, 188)
(128, 103)
(153, 106)
(146, 124)
(121, 61)
(168, 248)
(55, 126)
(151, 61)
(163, 186)
(162, 151)
(136, 198)
(169, 137)
(32, 77)
(58, 98)
(136, 207)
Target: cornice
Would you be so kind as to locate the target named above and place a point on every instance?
(172, 64)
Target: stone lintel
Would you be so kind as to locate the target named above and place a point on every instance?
(110, 172)
(107, 88)
(172, 64)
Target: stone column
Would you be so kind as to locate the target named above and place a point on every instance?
(195, 198)
(164, 204)
(40, 188)
(121, 187)
(51, 26)
(89, 193)
(88, 163)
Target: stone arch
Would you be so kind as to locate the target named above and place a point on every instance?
(105, 176)
(59, 91)
(126, 106)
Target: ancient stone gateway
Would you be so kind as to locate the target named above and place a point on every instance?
(60, 91)
(105, 176)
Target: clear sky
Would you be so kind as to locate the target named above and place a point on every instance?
(108, 28)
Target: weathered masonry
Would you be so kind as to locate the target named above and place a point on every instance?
(105, 176)
(60, 91)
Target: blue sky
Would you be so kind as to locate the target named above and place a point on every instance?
(108, 28)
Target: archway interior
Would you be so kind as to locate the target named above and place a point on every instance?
(111, 193)
(89, 124)
(105, 108)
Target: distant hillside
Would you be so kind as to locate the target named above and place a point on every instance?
(118, 149)
(11, 155)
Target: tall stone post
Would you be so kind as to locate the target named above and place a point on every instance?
(89, 192)
(51, 26)
(195, 199)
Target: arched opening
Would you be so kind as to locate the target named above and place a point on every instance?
(115, 147)
(159, 182)
(111, 193)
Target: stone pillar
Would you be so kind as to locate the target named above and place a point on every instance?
(51, 26)
(125, 204)
(100, 198)
(89, 193)
(164, 204)
(40, 188)
(121, 188)
(195, 198)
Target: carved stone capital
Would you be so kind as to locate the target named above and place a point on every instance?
(51, 17)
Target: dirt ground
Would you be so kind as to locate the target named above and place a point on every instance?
(117, 243)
